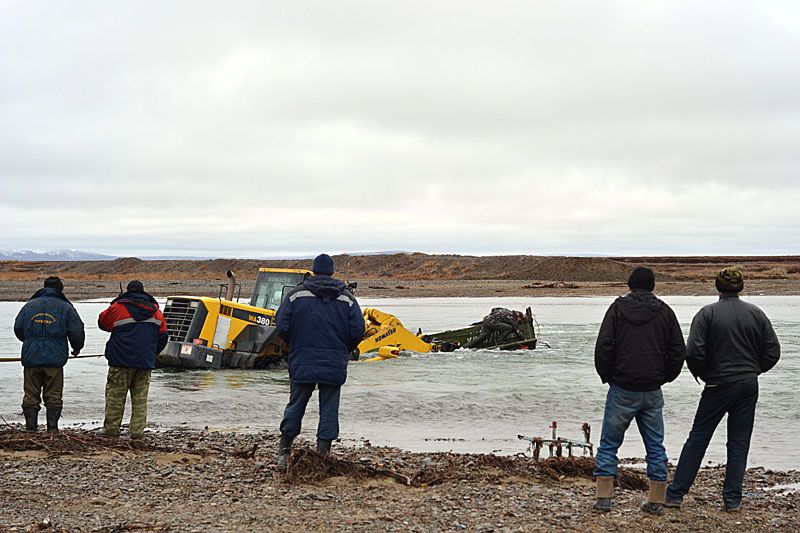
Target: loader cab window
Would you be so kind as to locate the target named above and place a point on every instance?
(272, 286)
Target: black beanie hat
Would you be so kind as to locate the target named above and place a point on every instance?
(642, 278)
(323, 265)
(54, 282)
(135, 286)
(730, 280)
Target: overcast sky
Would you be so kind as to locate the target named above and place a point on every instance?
(274, 128)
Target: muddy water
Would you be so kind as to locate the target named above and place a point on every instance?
(470, 401)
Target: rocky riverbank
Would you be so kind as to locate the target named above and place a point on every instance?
(210, 481)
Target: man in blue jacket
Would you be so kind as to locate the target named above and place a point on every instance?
(44, 325)
(322, 323)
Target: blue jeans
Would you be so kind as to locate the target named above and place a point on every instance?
(738, 400)
(622, 406)
(300, 393)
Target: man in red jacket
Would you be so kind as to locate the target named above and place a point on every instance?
(138, 334)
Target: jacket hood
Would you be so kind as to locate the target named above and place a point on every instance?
(49, 292)
(140, 305)
(324, 286)
(639, 307)
(135, 296)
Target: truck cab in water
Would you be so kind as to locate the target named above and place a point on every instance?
(207, 332)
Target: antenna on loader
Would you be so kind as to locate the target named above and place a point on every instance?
(350, 286)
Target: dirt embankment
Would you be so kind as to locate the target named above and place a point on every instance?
(413, 274)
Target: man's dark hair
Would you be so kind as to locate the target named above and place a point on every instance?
(54, 282)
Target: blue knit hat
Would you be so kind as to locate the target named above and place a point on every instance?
(323, 265)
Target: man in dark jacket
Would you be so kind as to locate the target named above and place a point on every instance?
(138, 334)
(44, 325)
(730, 343)
(322, 323)
(639, 348)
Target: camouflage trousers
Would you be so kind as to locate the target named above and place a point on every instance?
(42, 379)
(120, 381)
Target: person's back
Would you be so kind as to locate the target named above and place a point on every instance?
(319, 330)
(639, 348)
(322, 323)
(45, 325)
(731, 340)
(138, 332)
(137, 327)
(730, 343)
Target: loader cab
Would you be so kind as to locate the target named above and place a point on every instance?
(272, 284)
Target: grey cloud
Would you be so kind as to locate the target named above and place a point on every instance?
(446, 125)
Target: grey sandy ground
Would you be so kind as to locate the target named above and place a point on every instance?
(179, 489)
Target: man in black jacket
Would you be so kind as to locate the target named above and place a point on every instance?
(730, 343)
(639, 348)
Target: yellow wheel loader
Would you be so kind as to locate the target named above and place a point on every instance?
(220, 332)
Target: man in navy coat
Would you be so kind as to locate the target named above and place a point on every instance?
(322, 323)
(44, 325)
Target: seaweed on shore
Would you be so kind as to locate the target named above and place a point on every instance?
(306, 466)
(70, 441)
(559, 468)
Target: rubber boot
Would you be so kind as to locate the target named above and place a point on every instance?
(323, 447)
(52, 420)
(31, 419)
(285, 448)
(605, 491)
(655, 498)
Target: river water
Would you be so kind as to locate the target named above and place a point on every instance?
(465, 401)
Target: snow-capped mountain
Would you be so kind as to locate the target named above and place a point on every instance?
(52, 255)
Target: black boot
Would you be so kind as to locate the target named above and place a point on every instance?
(31, 418)
(283, 452)
(52, 419)
(323, 447)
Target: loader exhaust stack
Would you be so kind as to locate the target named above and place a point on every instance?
(231, 285)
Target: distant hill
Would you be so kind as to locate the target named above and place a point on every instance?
(53, 255)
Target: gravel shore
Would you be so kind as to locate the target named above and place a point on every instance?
(210, 481)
